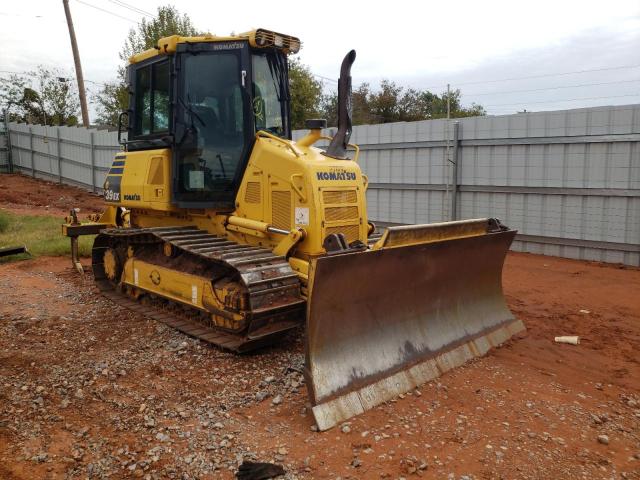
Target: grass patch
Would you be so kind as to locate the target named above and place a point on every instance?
(41, 234)
(4, 221)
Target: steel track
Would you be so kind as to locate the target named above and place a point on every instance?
(273, 289)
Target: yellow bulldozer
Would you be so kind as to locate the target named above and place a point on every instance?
(220, 225)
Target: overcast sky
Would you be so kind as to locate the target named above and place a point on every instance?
(579, 53)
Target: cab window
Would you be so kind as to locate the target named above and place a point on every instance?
(270, 92)
(152, 109)
(211, 107)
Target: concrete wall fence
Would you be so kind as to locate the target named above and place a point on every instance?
(4, 148)
(568, 181)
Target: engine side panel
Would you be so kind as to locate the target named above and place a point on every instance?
(305, 190)
(140, 179)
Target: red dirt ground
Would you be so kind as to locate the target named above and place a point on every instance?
(90, 390)
(30, 196)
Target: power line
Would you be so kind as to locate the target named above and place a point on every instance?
(553, 88)
(132, 8)
(6, 14)
(324, 78)
(558, 101)
(34, 74)
(620, 67)
(106, 11)
(96, 83)
(46, 18)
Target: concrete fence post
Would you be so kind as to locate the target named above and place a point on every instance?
(455, 174)
(93, 161)
(33, 169)
(9, 148)
(58, 155)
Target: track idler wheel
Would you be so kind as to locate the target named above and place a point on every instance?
(112, 265)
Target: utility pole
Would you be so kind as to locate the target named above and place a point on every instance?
(76, 60)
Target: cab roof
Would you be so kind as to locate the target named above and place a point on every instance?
(259, 38)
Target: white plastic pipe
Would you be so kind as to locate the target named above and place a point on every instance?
(573, 340)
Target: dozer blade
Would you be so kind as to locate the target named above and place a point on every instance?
(383, 321)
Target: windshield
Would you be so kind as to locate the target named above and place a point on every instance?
(222, 90)
(270, 92)
(211, 108)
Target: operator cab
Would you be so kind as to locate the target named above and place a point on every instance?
(206, 100)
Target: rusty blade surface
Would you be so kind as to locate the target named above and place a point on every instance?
(382, 322)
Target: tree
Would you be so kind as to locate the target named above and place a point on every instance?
(45, 96)
(305, 92)
(59, 97)
(360, 106)
(12, 90)
(114, 97)
(394, 103)
(111, 100)
(385, 103)
(360, 101)
(167, 22)
(437, 105)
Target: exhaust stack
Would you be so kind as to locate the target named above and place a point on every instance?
(338, 146)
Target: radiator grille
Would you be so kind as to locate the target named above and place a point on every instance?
(281, 210)
(332, 214)
(350, 232)
(252, 194)
(339, 196)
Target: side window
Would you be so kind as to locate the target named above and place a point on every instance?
(161, 97)
(152, 99)
(268, 98)
(143, 101)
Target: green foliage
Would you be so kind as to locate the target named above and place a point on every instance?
(168, 21)
(45, 96)
(41, 234)
(4, 222)
(12, 92)
(305, 92)
(114, 98)
(360, 105)
(385, 103)
(394, 103)
(111, 100)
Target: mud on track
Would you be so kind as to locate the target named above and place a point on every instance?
(90, 390)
